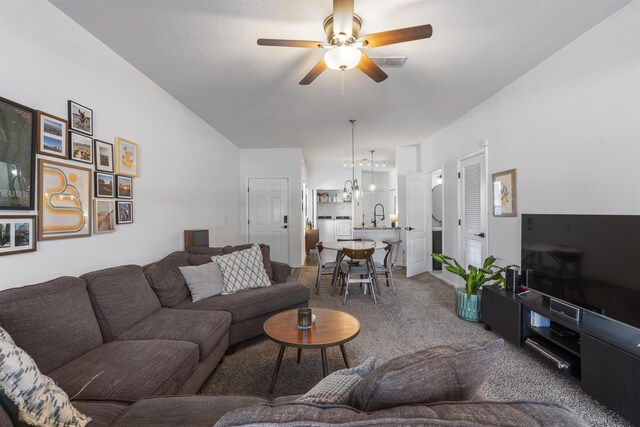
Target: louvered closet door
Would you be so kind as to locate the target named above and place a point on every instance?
(473, 215)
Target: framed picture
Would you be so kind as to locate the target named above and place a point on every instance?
(105, 216)
(64, 204)
(103, 156)
(17, 234)
(125, 212)
(17, 155)
(105, 185)
(80, 147)
(127, 163)
(80, 118)
(52, 135)
(124, 186)
(505, 193)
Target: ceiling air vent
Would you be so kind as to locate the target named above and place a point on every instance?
(390, 61)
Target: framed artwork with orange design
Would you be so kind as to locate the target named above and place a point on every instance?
(64, 204)
(128, 157)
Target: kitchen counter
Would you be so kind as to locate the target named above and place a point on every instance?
(376, 228)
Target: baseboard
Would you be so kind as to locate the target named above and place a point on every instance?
(447, 281)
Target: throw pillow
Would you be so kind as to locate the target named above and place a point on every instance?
(204, 280)
(336, 388)
(242, 270)
(445, 373)
(39, 401)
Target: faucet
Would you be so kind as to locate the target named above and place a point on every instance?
(375, 215)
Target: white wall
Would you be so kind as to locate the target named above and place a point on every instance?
(46, 59)
(570, 126)
(277, 163)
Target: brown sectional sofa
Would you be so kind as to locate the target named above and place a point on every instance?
(120, 340)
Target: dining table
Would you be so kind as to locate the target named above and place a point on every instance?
(349, 244)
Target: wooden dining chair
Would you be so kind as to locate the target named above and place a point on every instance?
(363, 274)
(326, 268)
(386, 267)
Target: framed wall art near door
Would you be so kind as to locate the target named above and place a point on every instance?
(80, 118)
(105, 216)
(124, 186)
(125, 212)
(128, 157)
(64, 201)
(17, 234)
(505, 193)
(17, 155)
(103, 156)
(80, 147)
(52, 136)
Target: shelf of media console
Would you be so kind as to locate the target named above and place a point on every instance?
(618, 334)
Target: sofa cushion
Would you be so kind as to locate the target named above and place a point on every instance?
(204, 280)
(121, 297)
(242, 270)
(447, 372)
(36, 398)
(459, 414)
(196, 259)
(244, 305)
(52, 321)
(266, 254)
(128, 370)
(336, 388)
(165, 279)
(203, 327)
(192, 411)
(102, 413)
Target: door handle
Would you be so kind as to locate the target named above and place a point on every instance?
(409, 228)
(284, 226)
(480, 235)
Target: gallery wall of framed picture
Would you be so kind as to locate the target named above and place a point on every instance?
(85, 185)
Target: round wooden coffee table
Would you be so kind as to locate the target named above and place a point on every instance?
(331, 328)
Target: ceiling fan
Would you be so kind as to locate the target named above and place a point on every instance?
(344, 43)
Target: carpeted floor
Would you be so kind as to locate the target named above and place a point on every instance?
(419, 316)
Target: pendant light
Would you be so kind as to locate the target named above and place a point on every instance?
(372, 187)
(353, 188)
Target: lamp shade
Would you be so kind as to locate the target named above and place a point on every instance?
(342, 57)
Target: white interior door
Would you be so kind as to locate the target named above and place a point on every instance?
(418, 229)
(473, 210)
(268, 217)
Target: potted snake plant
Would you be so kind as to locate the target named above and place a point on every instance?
(468, 298)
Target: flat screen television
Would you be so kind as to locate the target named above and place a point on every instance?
(592, 261)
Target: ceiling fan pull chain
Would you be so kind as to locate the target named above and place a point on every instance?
(342, 85)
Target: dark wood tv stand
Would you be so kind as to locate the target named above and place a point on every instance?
(604, 354)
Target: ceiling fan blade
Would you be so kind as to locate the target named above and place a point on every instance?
(315, 72)
(343, 17)
(367, 66)
(289, 43)
(397, 36)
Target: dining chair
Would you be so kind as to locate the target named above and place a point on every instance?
(386, 267)
(363, 274)
(356, 239)
(327, 267)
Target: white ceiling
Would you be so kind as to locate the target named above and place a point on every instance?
(204, 53)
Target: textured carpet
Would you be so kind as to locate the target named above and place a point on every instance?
(419, 316)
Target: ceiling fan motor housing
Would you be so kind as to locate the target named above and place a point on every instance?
(350, 38)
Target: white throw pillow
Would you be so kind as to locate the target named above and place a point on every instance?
(336, 388)
(242, 270)
(39, 401)
(204, 280)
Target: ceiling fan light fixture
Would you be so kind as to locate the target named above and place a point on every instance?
(342, 57)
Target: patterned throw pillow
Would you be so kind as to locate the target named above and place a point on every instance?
(39, 401)
(336, 388)
(242, 270)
